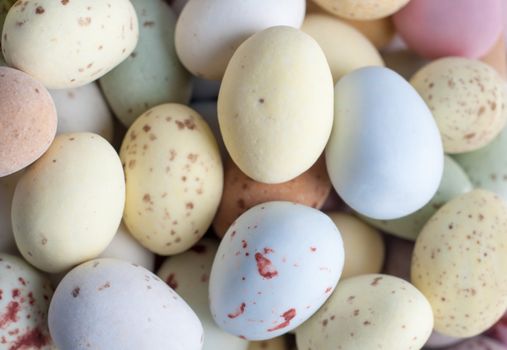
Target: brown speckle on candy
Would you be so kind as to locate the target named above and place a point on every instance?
(84, 21)
(376, 281)
(75, 292)
(39, 10)
(104, 286)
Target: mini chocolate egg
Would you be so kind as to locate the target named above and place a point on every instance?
(174, 178)
(27, 118)
(364, 246)
(384, 162)
(369, 312)
(467, 99)
(152, 74)
(278, 343)
(276, 122)
(68, 205)
(24, 301)
(66, 44)
(333, 35)
(83, 110)
(275, 267)
(459, 261)
(188, 275)
(113, 304)
(209, 32)
(241, 193)
(361, 10)
(7, 186)
(478, 343)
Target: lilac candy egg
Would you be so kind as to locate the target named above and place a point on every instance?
(275, 267)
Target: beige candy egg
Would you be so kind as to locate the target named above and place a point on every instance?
(459, 263)
(69, 43)
(278, 343)
(333, 35)
(467, 99)
(362, 9)
(275, 106)
(364, 246)
(369, 312)
(242, 193)
(380, 32)
(68, 205)
(174, 178)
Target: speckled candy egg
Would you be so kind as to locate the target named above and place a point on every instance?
(68, 205)
(113, 304)
(7, 186)
(369, 312)
(466, 98)
(275, 105)
(27, 120)
(276, 265)
(459, 261)
(241, 193)
(478, 343)
(152, 74)
(24, 303)
(278, 343)
(333, 35)
(174, 178)
(454, 182)
(208, 32)
(68, 43)
(362, 9)
(188, 274)
(83, 110)
(384, 162)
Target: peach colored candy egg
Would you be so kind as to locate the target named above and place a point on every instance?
(362, 9)
(241, 193)
(27, 120)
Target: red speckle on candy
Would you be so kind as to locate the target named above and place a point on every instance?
(287, 316)
(265, 267)
(238, 312)
(328, 289)
(11, 315)
(244, 244)
(313, 249)
(33, 339)
(171, 281)
(15, 293)
(268, 250)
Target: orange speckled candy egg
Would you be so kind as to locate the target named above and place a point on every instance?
(241, 193)
(27, 120)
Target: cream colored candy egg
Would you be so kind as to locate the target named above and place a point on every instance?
(362, 9)
(174, 178)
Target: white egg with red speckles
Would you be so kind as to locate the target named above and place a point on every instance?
(113, 304)
(24, 303)
(276, 265)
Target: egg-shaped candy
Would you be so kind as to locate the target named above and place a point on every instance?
(276, 265)
(385, 156)
(174, 178)
(478, 343)
(459, 261)
(208, 32)
(333, 35)
(66, 44)
(241, 192)
(83, 109)
(434, 28)
(152, 74)
(467, 99)
(188, 275)
(7, 186)
(362, 10)
(68, 205)
(27, 119)
(113, 304)
(24, 301)
(380, 32)
(278, 343)
(369, 312)
(275, 106)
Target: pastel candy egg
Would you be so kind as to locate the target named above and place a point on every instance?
(152, 74)
(380, 32)
(67, 44)
(209, 32)
(188, 274)
(113, 304)
(24, 301)
(83, 109)
(363, 9)
(241, 193)
(369, 312)
(278, 343)
(174, 178)
(7, 186)
(454, 182)
(364, 246)
(333, 35)
(467, 99)
(27, 118)
(68, 205)
(274, 268)
(376, 154)
(434, 28)
(458, 263)
(276, 122)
